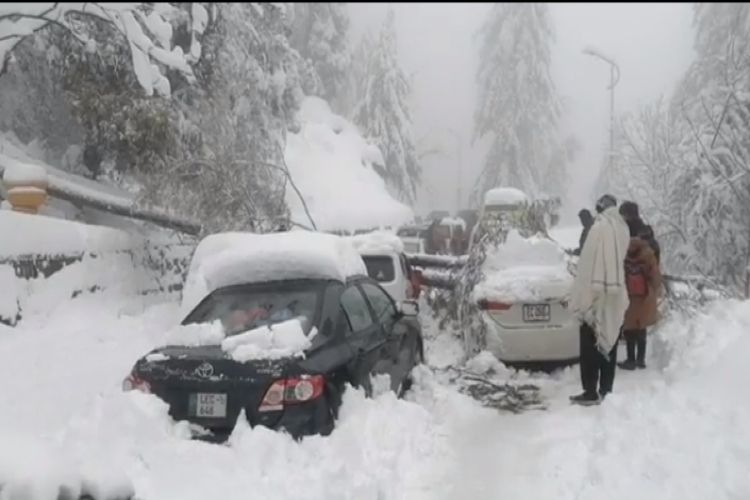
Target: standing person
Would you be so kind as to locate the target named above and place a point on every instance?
(643, 278)
(599, 299)
(587, 220)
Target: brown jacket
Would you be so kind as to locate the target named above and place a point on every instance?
(643, 311)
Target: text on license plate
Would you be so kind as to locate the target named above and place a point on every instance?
(536, 312)
(212, 405)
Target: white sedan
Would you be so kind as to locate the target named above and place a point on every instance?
(523, 302)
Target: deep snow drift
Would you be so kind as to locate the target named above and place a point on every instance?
(679, 430)
(332, 165)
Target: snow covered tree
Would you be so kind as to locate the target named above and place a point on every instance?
(229, 169)
(688, 163)
(144, 27)
(319, 34)
(383, 111)
(518, 106)
(213, 150)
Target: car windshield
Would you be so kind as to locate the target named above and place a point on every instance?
(380, 267)
(245, 308)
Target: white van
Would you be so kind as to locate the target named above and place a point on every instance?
(383, 255)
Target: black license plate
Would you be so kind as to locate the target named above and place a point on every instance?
(536, 313)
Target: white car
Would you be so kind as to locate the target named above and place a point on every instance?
(522, 295)
(383, 255)
(413, 239)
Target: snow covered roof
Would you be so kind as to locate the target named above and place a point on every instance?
(533, 268)
(377, 243)
(505, 196)
(453, 221)
(332, 166)
(16, 166)
(227, 259)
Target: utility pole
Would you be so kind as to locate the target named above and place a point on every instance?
(614, 77)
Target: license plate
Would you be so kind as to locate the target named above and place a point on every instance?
(533, 313)
(209, 405)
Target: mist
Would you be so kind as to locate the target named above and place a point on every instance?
(652, 44)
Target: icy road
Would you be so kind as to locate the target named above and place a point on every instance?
(679, 430)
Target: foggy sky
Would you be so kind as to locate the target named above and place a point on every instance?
(652, 43)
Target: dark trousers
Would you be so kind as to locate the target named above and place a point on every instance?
(636, 343)
(596, 369)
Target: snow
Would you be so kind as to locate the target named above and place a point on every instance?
(195, 334)
(453, 221)
(524, 269)
(377, 243)
(9, 295)
(567, 236)
(37, 234)
(160, 28)
(678, 430)
(227, 259)
(331, 164)
(280, 340)
(200, 18)
(505, 196)
(15, 157)
(22, 174)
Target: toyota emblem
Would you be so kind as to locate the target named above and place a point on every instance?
(205, 370)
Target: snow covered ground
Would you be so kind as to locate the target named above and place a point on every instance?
(678, 430)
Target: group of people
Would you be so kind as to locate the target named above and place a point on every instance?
(615, 293)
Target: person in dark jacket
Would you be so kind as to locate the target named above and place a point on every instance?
(631, 213)
(587, 220)
(643, 253)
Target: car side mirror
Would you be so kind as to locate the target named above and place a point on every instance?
(408, 308)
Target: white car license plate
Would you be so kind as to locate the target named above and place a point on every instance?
(210, 405)
(533, 313)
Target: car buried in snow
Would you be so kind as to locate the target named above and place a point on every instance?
(285, 323)
(518, 306)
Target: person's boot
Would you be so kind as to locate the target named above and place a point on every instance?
(628, 364)
(585, 399)
(641, 344)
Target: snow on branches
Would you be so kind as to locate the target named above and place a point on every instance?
(146, 28)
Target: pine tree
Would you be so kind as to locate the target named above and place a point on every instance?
(383, 111)
(518, 105)
(320, 35)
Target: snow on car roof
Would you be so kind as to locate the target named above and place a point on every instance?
(227, 259)
(377, 243)
(453, 221)
(521, 269)
(505, 196)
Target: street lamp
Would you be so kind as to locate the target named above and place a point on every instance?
(457, 137)
(614, 77)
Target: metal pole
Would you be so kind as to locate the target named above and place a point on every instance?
(611, 116)
(614, 77)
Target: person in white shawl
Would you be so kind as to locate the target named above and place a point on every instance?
(599, 299)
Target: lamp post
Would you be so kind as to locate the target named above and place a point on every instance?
(614, 77)
(457, 137)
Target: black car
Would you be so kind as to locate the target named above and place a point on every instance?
(360, 331)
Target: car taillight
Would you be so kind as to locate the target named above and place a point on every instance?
(292, 391)
(132, 382)
(489, 305)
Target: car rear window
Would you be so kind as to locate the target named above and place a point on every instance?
(380, 268)
(245, 308)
